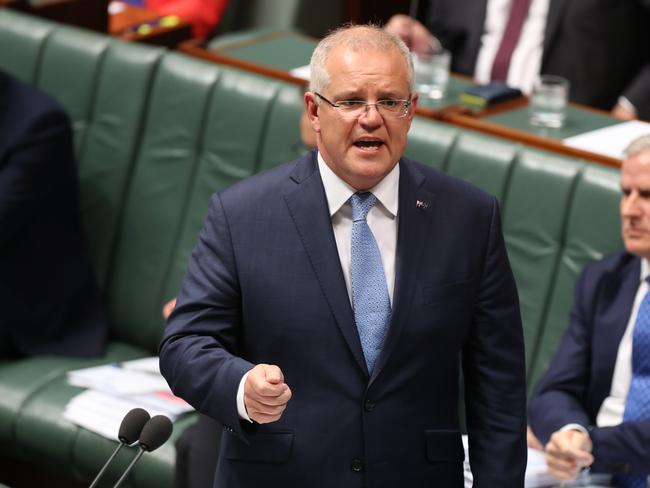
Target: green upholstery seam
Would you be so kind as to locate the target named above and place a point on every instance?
(174, 248)
(265, 124)
(119, 214)
(554, 274)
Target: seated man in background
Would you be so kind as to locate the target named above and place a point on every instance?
(592, 407)
(600, 46)
(49, 303)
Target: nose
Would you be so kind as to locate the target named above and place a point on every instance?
(630, 205)
(371, 116)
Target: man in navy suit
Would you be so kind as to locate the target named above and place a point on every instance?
(268, 334)
(578, 406)
(49, 303)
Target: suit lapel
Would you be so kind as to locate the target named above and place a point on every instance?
(416, 206)
(553, 20)
(307, 203)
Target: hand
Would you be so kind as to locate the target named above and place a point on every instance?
(412, 32)
(532, 441)
(620, 112)
(266, 394)
(567, 452)
(168, 307)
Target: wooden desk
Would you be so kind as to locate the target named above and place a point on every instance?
(510, 120)
(141, 25)
(274, 54)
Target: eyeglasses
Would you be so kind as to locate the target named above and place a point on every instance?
(354, 108)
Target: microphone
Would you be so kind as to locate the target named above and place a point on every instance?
(130, 428)
(154, 434)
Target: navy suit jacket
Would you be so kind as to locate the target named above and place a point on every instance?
(580, 375)
(599, 45)
(49, 303)
(264, 285)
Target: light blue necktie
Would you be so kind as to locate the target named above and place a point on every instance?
(637, 405)
(369, 290)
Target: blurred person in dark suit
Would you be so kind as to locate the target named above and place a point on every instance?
(49, 303)
(600, 46)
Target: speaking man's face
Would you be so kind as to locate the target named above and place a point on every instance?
(635, 204)
(362, 148)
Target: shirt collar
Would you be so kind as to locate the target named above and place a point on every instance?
(338, 192)
(645, 270)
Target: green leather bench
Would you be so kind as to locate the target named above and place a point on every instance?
(157, 132)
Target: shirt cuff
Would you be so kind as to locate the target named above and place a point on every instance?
(574, 427)
(241, 407)
(627, 105)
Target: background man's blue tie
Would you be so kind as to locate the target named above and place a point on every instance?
(637, 405)
(369, 290)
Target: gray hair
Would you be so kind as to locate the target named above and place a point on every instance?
(356, 37)
(637, 146)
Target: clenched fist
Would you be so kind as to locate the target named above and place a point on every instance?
(266, 394)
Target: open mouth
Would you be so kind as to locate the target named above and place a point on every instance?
(368, 145)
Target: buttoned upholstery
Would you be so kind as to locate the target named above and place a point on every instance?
(156, 133)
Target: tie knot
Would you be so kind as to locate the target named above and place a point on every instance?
(361, 203)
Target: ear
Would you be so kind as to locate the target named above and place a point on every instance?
(414, 103)
(311, 108)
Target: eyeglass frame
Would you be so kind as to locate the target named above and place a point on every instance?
(366, 105)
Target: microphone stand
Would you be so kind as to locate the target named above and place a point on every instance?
(130, 467)
(110, 459)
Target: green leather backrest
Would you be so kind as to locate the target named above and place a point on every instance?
(484, 161)
(430, 142)
(592, 231)
(534, 211)
(21, 43)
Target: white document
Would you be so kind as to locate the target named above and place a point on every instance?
(301, 72)
(114, 389)
(610, 141)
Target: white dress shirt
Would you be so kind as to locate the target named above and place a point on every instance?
(526, 60)
(382, 220)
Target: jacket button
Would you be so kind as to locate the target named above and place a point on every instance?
(369, 406)
(356, 465)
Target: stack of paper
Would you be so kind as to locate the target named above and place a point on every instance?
(537, 473)
(610, 141)
(114, 389)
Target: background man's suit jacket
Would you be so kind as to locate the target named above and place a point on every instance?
(600, 45)
(265, 285)
(48, 299)
(580, 376)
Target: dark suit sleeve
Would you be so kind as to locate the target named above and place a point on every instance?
(494, 373)
(561, 394)
(638, 92)
(29, 165)
(200, 346)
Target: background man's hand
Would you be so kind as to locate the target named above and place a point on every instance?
(567, 452)
(412, 32)
(266, 394)
(532, 440)
(621, 112)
